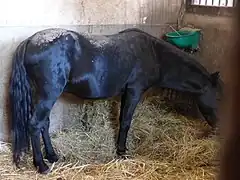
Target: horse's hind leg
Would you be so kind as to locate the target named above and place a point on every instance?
(37, 124)
(51, 156)
(48, 89)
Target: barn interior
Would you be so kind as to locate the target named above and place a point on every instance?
(167, 139)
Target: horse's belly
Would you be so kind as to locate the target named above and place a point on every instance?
(92, 89)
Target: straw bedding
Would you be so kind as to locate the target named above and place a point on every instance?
(162, 145)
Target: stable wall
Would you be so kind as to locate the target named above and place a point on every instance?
(20, 19)
(216, 41)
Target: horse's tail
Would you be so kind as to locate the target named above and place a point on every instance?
(21, 104)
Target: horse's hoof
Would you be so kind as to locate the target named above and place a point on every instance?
(121, 152)
(45, 172)
(43, 169)
(17, 163)
(52, 158)
(17, 157)
(122, 155)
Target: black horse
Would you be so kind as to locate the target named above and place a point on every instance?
(54, 61)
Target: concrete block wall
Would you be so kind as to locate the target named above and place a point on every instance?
(20, 19)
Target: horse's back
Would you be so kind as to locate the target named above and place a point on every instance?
(94, 66)
(101, 65)
(108, 64)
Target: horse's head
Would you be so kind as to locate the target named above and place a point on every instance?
(208, 101)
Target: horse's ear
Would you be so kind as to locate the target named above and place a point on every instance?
(215, 76)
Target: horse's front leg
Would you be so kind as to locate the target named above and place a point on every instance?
(129, 102)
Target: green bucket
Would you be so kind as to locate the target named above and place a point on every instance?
(184, 38)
